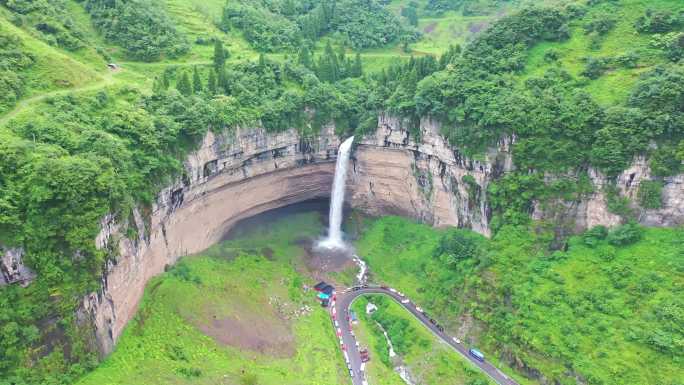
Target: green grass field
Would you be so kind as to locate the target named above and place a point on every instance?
(248, 292)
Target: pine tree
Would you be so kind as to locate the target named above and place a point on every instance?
(342, 64)
(304, 57)
(333, 66)
(212, 82)
(196, 81)
(223, 81)
(219, 54)
(183, 85)
(357, 68)
(165, 82)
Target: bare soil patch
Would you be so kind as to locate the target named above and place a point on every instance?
(265, 334)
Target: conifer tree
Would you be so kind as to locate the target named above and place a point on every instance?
(183, 85)
(219, 54)
(304, 57)
(165, 82)
(223, 85)
(212, 82)
(196, 81)
(357, 68)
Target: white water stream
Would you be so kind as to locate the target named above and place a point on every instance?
(334, 239)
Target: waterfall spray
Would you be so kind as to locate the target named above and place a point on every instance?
(334, 239)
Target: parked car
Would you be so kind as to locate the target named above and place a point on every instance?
(456, 340)
(405, 301)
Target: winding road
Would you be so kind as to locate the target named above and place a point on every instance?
(340, 314)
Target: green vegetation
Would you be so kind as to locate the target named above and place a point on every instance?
(607, 310)
(234, 312)
(579, 85)
(269, 25)
(50, 20)
(428, 361)
(142, 27)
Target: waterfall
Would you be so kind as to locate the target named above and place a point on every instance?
(334, 239)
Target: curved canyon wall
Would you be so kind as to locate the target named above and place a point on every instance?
(231, 177)
(239, 174)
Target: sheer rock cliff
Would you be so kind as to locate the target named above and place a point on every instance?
(241, 173)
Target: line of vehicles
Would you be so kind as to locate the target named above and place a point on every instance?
(475, 353)
(328, 297)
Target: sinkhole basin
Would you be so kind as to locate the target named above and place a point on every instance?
(239, 312)
(242, 311)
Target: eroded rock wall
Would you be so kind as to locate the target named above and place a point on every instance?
(231, 177)
(424, 179)
(235, 175)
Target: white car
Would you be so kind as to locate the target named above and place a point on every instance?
(405, 301)
(392, 290)
(456, 340)
(420, 310)
(401, 294)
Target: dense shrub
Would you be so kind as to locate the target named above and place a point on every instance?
(13, 61)
(600, 24)
(659, 21)
(141, 27)
(264, 29)
(625, 234)
(650, 194)
(595, 67)
(595, 235)
(456, 246)
(49, 19)
(269, 24)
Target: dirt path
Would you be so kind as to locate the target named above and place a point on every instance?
(107, 80)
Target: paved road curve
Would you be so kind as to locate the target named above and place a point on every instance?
(340, 313)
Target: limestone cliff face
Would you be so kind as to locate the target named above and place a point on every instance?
(427, 179)
(235, 175)
(12, 269)
(231, 177)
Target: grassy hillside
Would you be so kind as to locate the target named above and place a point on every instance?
(48, 68)
(237, 314)
(619, 41)
(607, 311)
(428, 361)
